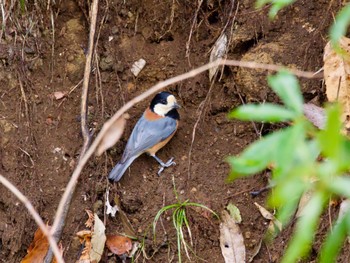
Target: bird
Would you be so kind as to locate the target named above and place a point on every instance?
(152, 132)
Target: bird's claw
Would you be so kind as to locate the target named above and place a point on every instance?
(166, 165)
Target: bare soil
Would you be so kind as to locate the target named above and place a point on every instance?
(40, 137)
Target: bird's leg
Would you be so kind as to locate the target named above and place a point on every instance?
(164, 165)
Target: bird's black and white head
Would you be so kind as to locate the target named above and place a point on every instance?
(165, 104)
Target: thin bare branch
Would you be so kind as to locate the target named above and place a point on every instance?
(59, 222)
(35, 215)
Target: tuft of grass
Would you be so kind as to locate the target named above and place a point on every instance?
(180, 222)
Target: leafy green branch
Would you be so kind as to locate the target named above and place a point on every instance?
(292, 153)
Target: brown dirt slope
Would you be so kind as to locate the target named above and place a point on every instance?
(40, 136)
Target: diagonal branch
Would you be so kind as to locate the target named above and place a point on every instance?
(35, 215)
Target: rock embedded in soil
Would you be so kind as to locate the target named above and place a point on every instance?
(107, 63)
(252, 82)
(75, 36)
(131, 204)
(75, 68)
(6, 128)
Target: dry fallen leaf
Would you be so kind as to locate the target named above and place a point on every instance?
(264, 212)
(98, 240)
(217, 52)
(112, 135)
(337, 76)
(275, 226)
(118, 245)
(344, 208)
(316, 115)
(255, 250)
(122, 217)
(85, 238)
(37, 250)
(304, 200)
(90, 222)
(231, 240)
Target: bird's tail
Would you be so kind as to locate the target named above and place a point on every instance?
(119, 170)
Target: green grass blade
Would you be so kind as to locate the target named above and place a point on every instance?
(204, 207)
(160, 212)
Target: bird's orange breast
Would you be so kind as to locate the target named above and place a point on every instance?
(151, 116)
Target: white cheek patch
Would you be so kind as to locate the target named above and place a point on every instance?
(162, 109)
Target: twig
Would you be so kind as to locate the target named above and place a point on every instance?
(72, 182)
(35, 215)
(201, 110)
(30, 158)
(84, 96)
(53, 40)
(60, 220)
(191, 31)
(24, 97)
(74, 87)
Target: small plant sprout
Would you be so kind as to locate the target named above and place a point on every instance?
(180, 222)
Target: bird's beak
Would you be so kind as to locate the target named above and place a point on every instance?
(176, 106)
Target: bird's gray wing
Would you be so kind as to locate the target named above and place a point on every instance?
(146, 134)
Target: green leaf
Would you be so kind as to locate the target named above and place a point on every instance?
(289, 188)
(276, 5)
(340, 185)
(340, 26)
(261, 3)
(234, 212)
(293, 141)
(256, 157)
(262, 112)
(335, 239)
(287, 88)
(330, 139)
(306, 228)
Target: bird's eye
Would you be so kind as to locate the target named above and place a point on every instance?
(164, 102)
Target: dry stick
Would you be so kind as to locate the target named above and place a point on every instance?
(24, 97)
(84, 96)
(53, 41)
(191, 31)
(59, 222)
(35, 215)
(202, 108)
(149, 92)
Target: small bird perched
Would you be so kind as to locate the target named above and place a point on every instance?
(153, 130)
